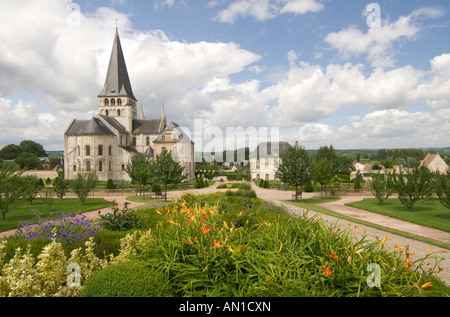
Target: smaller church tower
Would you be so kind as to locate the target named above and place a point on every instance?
(116, 98)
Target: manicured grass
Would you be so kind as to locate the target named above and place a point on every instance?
(23, 211)
(428, 213)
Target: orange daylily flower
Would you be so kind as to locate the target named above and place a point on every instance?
(188, 241)
(384, 240)
(408, 264)
(326, 271)
(427, 285)
(333, 256)
(217, 244)
(173, 222)
(206, 229)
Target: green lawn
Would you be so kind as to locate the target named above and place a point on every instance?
(23, 211)
(428, 213)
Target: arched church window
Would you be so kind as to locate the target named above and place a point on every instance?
(100, 166)
(113, 102)
(118, 112)
(88, 166)
(107, 113)
(148, 141)
(100, 150)
(134, 141)
(110, 150)
(110, 166)
(88, 150)
(106, 102)
(119, 102)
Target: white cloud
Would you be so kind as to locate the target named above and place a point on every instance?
(384, 128)
(262, 10)
(377, 43)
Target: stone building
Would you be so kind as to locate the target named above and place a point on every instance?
(265, 159)
(107, 141)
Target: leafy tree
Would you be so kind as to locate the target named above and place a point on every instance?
(330, 154)
(138, 170)
(413, 186)
(10, 152)
(28, 161)
(295, 167)
(33, 147)
(442, 186)
(165, 170)
(323, 173)
(9, 191)
(30, 187)
(381, 186)
(82, 186)
(60, 185)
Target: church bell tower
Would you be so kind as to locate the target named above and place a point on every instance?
(116, 98)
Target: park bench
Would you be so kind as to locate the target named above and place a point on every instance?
(159, 195)
(297, 195)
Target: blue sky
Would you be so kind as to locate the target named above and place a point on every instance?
(312, 68)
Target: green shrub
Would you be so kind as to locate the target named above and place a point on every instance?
(245, 186)
(127, 279)
(357, 185)
(156, 188)
(309, 187)
(121, 221)
(109, 184)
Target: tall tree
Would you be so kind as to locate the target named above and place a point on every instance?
(442, 186)
(165, 170)
(412, 186)
(295, 167)
(323, 173)
(138, 170)
(381, 187)
(33, 147)
(330, 154)
(9, 190)
(82, 186)
(30, 187)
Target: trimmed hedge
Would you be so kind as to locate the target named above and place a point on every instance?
(127, 279)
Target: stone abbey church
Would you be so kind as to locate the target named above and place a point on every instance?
(105, 143)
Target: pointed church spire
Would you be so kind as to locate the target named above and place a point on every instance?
(162, 124)
(117, 82)
(141, 115)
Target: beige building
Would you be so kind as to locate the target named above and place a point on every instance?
(434, 162)
(106, 142)
(265, 159)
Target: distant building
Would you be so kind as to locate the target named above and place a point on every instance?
(434, 162)
(265, 159)
(106, 143)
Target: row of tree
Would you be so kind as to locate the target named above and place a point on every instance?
(298, 167)
(145, 171)
(13, 186)
(417, 184)
(26, 155)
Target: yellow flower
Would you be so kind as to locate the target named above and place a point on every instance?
(399, 247)
(188, 241)
(427, 285)
(384, 240)
(217, 244)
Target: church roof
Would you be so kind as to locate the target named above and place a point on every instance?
(88, 127)
(117, 82)
(146, 126)
(114, 123)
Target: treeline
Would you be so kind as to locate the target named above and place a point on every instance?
(26, 155)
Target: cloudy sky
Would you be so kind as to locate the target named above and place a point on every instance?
(346, 72)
